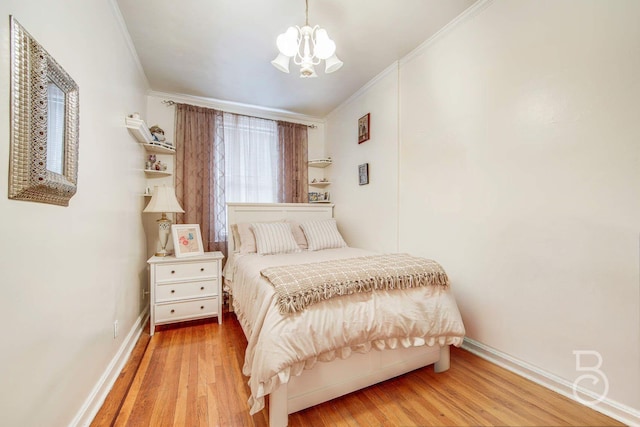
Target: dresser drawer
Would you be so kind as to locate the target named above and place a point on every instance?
(186, 290)
(186, 270)
(186, 310)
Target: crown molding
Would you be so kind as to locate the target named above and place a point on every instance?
(127, 39)
(238, 108)
(384, 73)
(466, 15)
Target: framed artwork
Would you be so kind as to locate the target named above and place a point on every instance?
(187, 240)
(363, 128)
(363, 174)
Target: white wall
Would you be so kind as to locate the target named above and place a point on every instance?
(519, 171)
(68, 273)
(367, 215)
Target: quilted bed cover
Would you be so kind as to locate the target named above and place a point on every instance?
(283, 345)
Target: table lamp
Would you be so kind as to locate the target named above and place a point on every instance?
(162, 201)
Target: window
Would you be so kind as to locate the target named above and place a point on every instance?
(250, 159)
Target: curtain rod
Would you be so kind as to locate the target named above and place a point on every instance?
(169, 103)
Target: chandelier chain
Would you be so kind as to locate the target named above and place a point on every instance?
(306, 13)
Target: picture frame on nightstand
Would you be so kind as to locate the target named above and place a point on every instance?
(187, 240)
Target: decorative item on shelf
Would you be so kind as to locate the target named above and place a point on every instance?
(150, 164)
(157, 133)
(163, 201)
(308, 47)
(363, 128)
(135, 116)
(159, 166)
(187, 240)
(316, 197)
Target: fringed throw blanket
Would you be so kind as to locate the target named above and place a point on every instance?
(299, 286)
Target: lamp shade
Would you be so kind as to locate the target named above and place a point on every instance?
(333, 64)
(163, 200)
(281, 63)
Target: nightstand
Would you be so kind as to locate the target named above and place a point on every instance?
(185, 288)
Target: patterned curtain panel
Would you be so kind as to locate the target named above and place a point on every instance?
(292, 170)
(200, 174)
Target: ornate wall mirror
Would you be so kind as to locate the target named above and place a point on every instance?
(44, 124)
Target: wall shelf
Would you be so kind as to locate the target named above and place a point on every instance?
(138, 128)
(159, 148)
(140, 131)
(320, 183)
(319, 163)
(153, 172)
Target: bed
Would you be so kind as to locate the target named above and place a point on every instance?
(321, 347)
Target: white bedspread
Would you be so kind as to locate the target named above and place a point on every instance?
(280, 346)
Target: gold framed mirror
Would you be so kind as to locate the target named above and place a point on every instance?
(43, 165)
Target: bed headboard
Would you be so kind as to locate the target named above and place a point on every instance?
(261, 212)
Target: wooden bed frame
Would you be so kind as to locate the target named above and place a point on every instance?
(327, 381)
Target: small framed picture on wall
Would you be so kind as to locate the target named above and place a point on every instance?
(363, 174)
(363, 128)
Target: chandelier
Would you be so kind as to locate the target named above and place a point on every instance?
(308, 47)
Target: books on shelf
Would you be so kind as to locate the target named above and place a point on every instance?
(319, 197)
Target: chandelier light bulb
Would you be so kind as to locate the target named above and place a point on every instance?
(325, 47)
(288, 42)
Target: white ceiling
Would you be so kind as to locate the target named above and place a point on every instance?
(222, 49)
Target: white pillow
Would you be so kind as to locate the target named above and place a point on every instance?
(235, 235)
(322, 234)
(246, 243)
(274, 238)
(298, 234)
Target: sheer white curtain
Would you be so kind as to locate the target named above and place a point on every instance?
(251, 159)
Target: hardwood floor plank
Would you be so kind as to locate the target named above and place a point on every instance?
(163, 413)
(191, 375)
(113, 403)
(180, 415)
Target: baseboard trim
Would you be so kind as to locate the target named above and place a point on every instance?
(94, 402)
(611, 408)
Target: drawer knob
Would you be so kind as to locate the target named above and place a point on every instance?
(173, 271)
(202, 307)
(202, 288)
(173, 311)
(202, 269)
(173, 291)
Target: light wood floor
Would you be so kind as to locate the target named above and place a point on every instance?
(190, 375)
